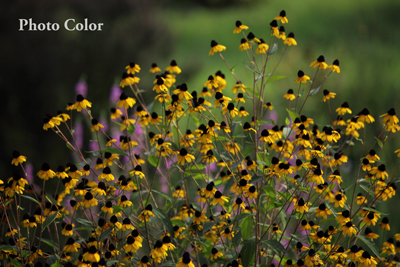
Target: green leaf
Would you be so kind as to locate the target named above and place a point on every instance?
(274, 49)
(314, 91)
(276, 78)
(251, 66)
(31, 198)
(366, 189)
(150, 106)
(195, 120)
(371, 245)
(131, 129)
(293, 115)
(105, 233)
(84, 221)
(241, 216)
(235, 165)
(275, 246)
(49, 220)
(162, 194)
(7, 247)
(165, 220)
(110, 150)
(247, 227)
(153, 160)
(379, 142)
(287, 122)
(117, 209)
(237, 238)
(111, 262)
(375, 211)
(248, 252)
(248, 151)
(267, 121)
(56, 264)
(51, 243)
(15, 263)
(69, 146)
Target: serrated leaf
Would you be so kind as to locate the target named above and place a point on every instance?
(276, 78)
(51, 243)
(162, 194)
(112, 150)
(314, 91)
(153, 160)
(274, 49)
(286, 131)
(370, 245)
(30, 198)
(166, 221)
(49, 220)
(251, 66)
(267, 121)
(15, 263)
(247, 227)
(131, 129)
(195, 120)
(248, 252)
(275, 246)
(248, 151)
(105, 233)
(293, 115)
(83, 221)
(379, 142)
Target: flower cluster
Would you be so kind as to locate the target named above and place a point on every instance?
(238, 188)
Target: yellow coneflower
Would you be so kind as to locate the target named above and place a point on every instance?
(91, 255)
(158, 253)
(312, 258)
(239, 27)
(231, 109)
(335, 66)
(289, 95)
(384, 224)
(274, 26)
(71, 246)
(282, 17)
(160, 86)
(262, 47)
(89, 200)
(173, 67)
(216, 48)
(132, 68)
(146, 213)
(290, 40)
(17, 158)
(320, 63)
(106, 175)
(125, 101)
(301, 77)
(144, 262)
(380, 172)
(46, 173)
(322, 211)
(68, 230)
(81, 103)
(182, 92)
(244, 44)
(301, 206)
(154, 68)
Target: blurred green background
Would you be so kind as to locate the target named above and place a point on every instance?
(39, 70)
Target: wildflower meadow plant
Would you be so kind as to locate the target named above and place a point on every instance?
(192, 178)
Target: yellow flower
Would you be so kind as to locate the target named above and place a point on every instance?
(282, 17)
(158, 253)
(348, 229)
(45, 173)
(274, 26)
(239, 27)
(301, 206)
(335, 66)
(154, 68)
(128, 79)
(71, 246)
(106, 175)
(173, 67)
(262, 47)
(289, 95)
(301, 77)
(144, 262)
(146, 213)
(132, 68)
(216, 48)
(182, 92)
(320, 63)
(290, 40)
(185, 157)
(328, 95)
(185, 261)
(219, 199)
(91, 255)
(67, 231)
(81, 103)
(343, 109)
(322, 211)
(159, 88)
(17, 158)
(244, 44)
(96, 125)
(125, 101)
